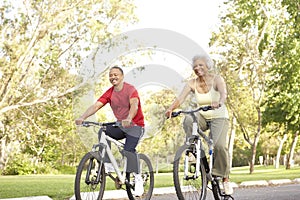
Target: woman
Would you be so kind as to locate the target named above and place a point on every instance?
(209, 89)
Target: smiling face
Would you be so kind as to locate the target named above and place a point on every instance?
(116, 76)
(200, 67)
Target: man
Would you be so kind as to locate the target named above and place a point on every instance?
(125, 103)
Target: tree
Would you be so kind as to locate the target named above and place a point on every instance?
(162, 134)
(43, 43)
(244, 45)
(282, 105)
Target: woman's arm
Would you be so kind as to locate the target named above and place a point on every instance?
(222, 89)
(178, 101)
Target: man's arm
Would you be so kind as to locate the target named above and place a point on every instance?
(134, 105)
(90, 111)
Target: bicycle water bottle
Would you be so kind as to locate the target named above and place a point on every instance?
(211, 147)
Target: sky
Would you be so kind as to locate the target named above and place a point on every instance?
(195, 19)
(192, 18)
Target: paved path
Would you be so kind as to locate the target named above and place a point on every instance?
(169, 192)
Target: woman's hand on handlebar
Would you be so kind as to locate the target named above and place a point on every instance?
(216, 105)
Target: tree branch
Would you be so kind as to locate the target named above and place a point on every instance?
(39, 101)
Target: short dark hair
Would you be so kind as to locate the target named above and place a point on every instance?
(117, 67)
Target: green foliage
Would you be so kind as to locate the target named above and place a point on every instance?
(66, 169)
(163, 135)
(258, 47)
(23, 164)
(42, 47)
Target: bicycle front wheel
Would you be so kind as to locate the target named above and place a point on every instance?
(146, 170)
(90, 178)
(187, 185)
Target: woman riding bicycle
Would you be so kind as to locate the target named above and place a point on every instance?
(209, 88)
(125, 103)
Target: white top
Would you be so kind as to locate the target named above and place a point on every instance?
(205, 99)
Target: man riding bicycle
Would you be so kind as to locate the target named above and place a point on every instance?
(125, 103)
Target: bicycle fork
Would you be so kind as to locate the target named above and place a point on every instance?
(197, 152)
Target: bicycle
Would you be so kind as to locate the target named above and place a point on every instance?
(91, 174)
(191, 170)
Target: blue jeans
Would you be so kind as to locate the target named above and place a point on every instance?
(133, 135)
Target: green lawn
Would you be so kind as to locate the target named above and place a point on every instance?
(60, 187)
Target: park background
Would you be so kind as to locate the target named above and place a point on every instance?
(255, 46)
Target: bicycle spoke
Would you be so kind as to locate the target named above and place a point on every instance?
(187, 185)
(90, 179)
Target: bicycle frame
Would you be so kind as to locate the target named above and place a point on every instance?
(195, 134)
(91, 173)
(103, 138)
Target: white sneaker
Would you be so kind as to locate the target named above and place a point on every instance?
(227, 188)
(108, 168)
(139, 185)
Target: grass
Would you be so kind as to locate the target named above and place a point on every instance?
(240, 174)
(60, 187)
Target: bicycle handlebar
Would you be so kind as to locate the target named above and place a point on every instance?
(89, 123)
(204, 108)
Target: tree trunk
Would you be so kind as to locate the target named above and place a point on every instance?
(255, 141)
(279, 150)
(2, 155)
(231, 141)
(253, 153)
(292, 150)
(156, 163)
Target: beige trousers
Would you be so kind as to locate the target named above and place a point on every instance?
(218, 130)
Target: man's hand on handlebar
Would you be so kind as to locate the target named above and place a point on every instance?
(79, 121)
(126, 123)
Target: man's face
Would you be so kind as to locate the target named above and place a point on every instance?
(115, 77)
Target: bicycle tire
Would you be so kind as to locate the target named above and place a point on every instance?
(215, 190)
(146, 170)
(87, 171)
(192, 188)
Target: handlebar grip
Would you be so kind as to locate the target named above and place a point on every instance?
(206, 108)
(85, 124)
(175, 114)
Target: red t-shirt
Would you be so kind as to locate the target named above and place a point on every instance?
(120, 104)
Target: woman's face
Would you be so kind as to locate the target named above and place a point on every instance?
(115, 77)
(200, 68)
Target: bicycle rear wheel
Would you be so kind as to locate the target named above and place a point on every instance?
(148, 179)
(90, 178)
(188, 187)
